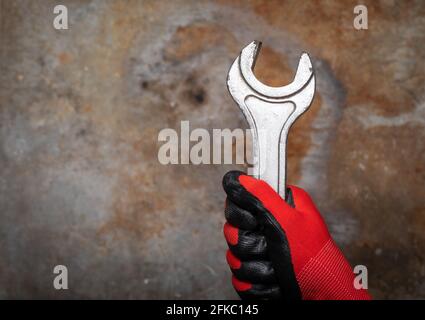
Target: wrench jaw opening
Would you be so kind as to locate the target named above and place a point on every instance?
(247, 60)
(270, 112)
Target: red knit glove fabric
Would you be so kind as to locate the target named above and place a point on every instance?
(282, 249)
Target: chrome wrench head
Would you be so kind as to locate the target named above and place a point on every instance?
(270, 112)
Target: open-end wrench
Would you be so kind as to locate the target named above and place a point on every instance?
(270, 112)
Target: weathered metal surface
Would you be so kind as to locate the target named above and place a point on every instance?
(80, 182)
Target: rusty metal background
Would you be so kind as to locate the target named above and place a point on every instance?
(80, 182)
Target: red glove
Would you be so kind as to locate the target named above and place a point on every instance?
(282, 250)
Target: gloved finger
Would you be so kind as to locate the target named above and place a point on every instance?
(249, 193)
(239, 217)
(249, 291)
(256, 196)
(256, 271)
(245, 244)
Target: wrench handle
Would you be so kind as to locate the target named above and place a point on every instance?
(269, 130)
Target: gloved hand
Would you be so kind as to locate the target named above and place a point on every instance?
(281, 250)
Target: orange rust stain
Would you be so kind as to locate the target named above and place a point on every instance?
(350, 53)
(417, 222)
(271, 68)
(353, 55)
(64, 58)
(87, 108)
(145, 145)
(136, 209)
(193, 39)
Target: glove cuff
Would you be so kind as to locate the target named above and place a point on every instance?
(328, 276)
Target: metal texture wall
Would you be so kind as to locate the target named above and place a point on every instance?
(80, 112)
